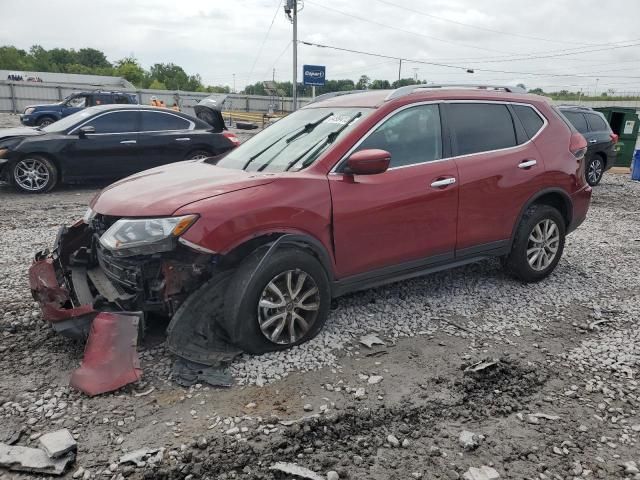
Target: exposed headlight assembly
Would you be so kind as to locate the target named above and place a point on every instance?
(29, 111)
(144, 236)
(88, 216)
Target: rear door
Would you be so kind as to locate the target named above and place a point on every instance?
(407, 215)
(499, 169)
(111, 152)
(164, 138)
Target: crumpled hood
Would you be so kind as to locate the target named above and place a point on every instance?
(163, 190)
(7, 133)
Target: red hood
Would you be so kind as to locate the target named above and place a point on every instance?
(163, 190)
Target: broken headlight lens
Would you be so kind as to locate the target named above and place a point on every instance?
(144, 236)
(88, 216)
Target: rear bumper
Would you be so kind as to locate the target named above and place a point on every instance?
(580, 201)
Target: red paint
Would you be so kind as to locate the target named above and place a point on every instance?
(51, 296)
(366, 221)
(369, 162)
(110, 357)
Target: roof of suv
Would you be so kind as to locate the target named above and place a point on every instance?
(376, 98)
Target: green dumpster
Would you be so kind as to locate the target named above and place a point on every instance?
(624, 122)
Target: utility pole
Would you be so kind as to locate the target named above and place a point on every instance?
(234, 83)
(274, 75)
(400, 70)
(415, 73)
(294, 17)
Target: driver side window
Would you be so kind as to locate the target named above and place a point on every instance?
(411, 136)
(78, 102)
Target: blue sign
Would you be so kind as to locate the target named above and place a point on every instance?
(313, 75)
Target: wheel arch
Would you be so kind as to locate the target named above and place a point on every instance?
(554, 197)
(273, 240)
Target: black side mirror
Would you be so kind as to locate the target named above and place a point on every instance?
(84, 131)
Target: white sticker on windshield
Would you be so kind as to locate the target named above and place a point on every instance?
(339, 119)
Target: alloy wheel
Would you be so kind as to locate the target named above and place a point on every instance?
(595, 171)
(288, 307)
(31, 174)
(543, 244)
(45, 123)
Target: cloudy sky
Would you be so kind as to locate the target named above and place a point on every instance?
(547, 43)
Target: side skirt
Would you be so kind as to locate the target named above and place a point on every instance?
(418, 268)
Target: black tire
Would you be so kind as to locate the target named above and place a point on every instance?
(594, 170)
(44, 121)
(517, 262)
(40, 164)
(198, 155)
(246, 291)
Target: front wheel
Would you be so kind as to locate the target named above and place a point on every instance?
(284, 303)
(45, 122)
(198, 155)
(594, 170)
(538, 244)
(34, 174)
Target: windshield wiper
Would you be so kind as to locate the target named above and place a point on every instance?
(317, 147)
(306, 129)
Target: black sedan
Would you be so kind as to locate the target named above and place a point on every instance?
(107, 142)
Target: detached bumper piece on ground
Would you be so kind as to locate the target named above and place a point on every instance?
(80, 300)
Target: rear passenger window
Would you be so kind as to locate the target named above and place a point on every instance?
(480, 127)
(597, 123)
(530, 119)
(577, 120)
(411, 136)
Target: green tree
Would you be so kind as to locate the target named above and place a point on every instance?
(92, 58)
(380, 85)
(157, 85)
(363, 83)
(12, 58)
(174, 77)
(130, 69)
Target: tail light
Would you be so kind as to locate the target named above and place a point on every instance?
(235, 140)
(614, 138)
(578, 145)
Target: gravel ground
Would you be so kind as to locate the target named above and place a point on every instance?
(561, 400)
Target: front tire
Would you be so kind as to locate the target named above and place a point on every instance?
(538, 244)
(594, 170)
(198, 155)
(34, 174)
(284, 303)
(45, 121)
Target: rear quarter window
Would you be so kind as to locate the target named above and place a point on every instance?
(480, 127)
(577, 120)
(530, 119)
(597, 123)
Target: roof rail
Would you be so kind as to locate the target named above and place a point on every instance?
(326, 96)
(569, 105)
(402, 91)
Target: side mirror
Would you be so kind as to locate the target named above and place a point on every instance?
(368, 162)
(84, 131)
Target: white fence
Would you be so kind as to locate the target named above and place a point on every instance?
(16, 96)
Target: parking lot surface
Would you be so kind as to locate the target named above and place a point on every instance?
(558, 396)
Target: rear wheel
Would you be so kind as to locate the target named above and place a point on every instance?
(285, 303)
(538, 244)
(594, 170)
(198, 155)
(34, 174)
(45, 121)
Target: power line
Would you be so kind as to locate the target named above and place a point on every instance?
(459, 67)
(476, 26)
(450, 42)
(278, 59)
(264, 40)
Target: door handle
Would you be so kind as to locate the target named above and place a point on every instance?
(527, 163)
(127, 142)
(183, 139)
(443, 182)
(593, 140)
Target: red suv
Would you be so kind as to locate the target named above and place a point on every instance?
(352, 191)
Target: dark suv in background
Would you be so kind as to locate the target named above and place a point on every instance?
(43, 115)
(601, 153)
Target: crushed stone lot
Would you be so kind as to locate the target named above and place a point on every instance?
(470, 374)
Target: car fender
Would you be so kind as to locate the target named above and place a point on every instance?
(47, 113)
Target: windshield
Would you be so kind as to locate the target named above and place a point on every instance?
(68, 122)
(294, 142)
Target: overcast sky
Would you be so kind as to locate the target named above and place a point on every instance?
(219, 38)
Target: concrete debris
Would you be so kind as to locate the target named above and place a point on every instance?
(546, 416)
(393, 441)
(58, 443)
(297, 470)
(469, 440)
(375, 379)
(370, 340)
(137, 456)
(34, 460)
(631, 468)
(333, 475)
(482, 365)
(482, 473)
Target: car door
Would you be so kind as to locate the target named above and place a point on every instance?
(405, 216)
(112, 151)
(499, 171)
(164, 138)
